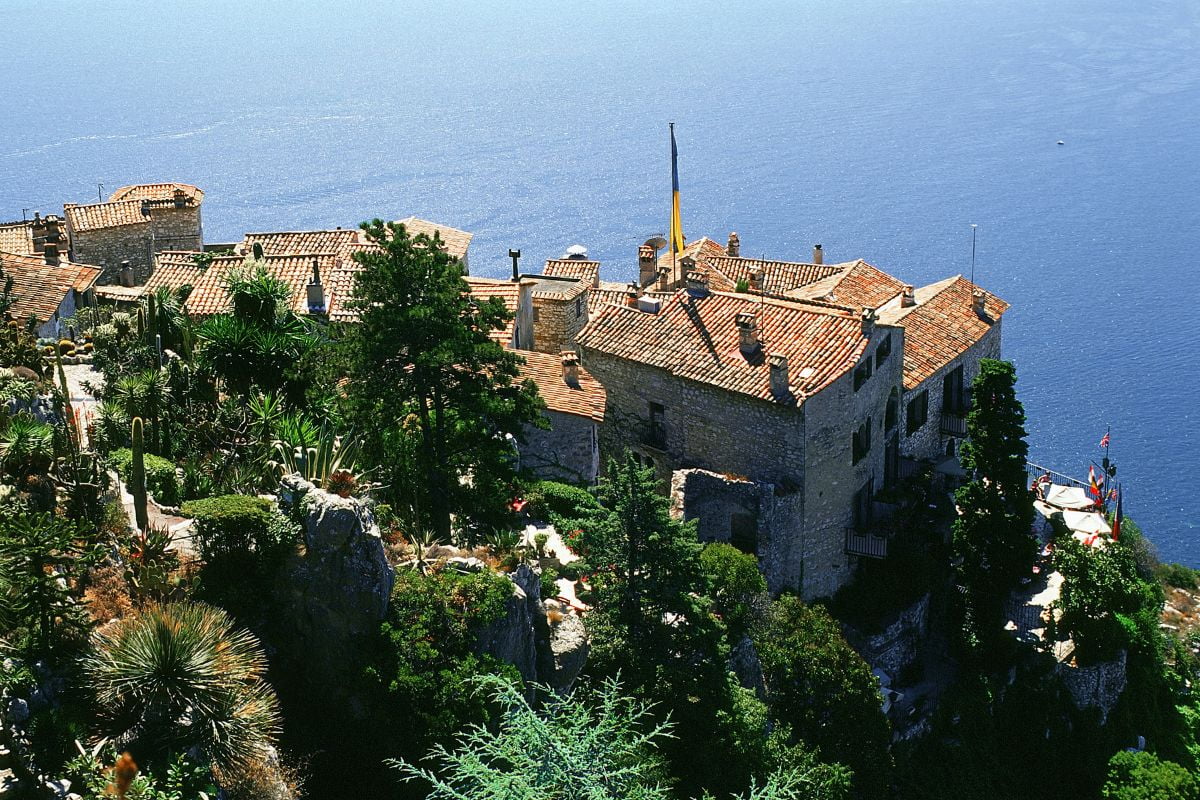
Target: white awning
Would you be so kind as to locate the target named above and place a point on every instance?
(1072, 497)
(1086, 522)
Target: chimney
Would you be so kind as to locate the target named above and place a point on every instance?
(664, 279)
(818, 254)
(316, 292)
(978, 304)
(734, 249)
(868, 321)
(180, 197)
(515, 255)
(747, 325)
(632, 294)
(257, 250)
(697, 283)
(51, 253)
(126, 274)
(570, 367)
(780, 388)
(53, 232)
(647, 266)
(908, 297)
(756, 279)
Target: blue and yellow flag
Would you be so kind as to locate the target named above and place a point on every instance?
(676, 225)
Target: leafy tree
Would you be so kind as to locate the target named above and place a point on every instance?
(822, 688)
(1142, 776)
(992, 540)
(436, 395)
(42, 559)
(736, 586)
(598, 745)
(177, 677)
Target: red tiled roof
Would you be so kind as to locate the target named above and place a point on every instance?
(104, 215)
(39, 288)
(698, 339)
(16, 237)
(779, 276)
(456, 241)
(156, 191)
(858, 286)
(287, 243)
(508, 291)
(941, 326)
(584, 399)
(579, 269)
(210, 294)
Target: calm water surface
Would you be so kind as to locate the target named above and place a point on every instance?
(880, 129)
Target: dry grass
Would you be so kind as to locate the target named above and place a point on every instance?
(107, 594)
(554, 613)
(268, 779)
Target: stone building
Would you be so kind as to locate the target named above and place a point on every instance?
(132, 225)
(569, 450)
(786, 401)
(46, 288)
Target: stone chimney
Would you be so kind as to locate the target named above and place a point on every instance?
(908, 297)
(979, 304)
(664, 279)
(647, 265)
(697, 283)
(818, 254)
(868, 321)
(747, 325)
(570, 367)
(632, 293)
(756, 279)
(126, 274)
(51, 253)
(780, 386)
(316, 292)
(180, 197)
(734, 249)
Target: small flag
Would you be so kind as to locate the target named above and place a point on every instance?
(1104, 440)
(1117, 517)
(676, 224)
(1094, 484)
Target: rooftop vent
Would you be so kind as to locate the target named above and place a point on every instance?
(868, 321)
(576, 252)
(315, 291)
(780, 387)
(979, 304)
(818, 254)
(908, 297)
(570, 367)
(747, 325)
(734, 248)
(697, 283)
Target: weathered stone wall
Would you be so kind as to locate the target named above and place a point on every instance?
(108, 247)
(177, 228)
(833, 416)
(928, 441)
(895, 647)
(568, 451)
(1098, 686)
(556, 322)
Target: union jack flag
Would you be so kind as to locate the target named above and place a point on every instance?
(1104, 440)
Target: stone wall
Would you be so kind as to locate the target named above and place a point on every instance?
(557, 321)
(568, 451)
(928, 441)
(177, 228)
(108, 247)
(1098, 686)
(895, 647)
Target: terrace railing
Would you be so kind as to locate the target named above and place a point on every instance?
(954, 424)
(859, 543)
(1036, 471)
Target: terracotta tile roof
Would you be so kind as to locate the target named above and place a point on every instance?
(855, 287)
(508, 291)
(209, 293)
(941, 326)
(701, 249)
(341, 241)
(780, 276)
(557, 288)
(120, 293)
(156, 191)
(16, 237)
(697, 339)
(585, 399)
(39, 288)
(104, 215)
(611, 292)
(339, 285)
(456, 241)
(579, 269)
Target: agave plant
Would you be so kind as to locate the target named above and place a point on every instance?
(26, 446)
(328, 457)
(179, 676)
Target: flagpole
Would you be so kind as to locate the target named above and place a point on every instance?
(674, 168)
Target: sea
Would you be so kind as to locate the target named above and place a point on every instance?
(1068, 132)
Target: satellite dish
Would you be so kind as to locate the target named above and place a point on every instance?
(576, 251)
(657, 242)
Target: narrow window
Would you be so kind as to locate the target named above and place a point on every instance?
(918, 412)
(884, 350)
(892, 413)
(657, 432)
(578, 307)
(860, 443)
(953, 395)
(861, 373)
(863, 506)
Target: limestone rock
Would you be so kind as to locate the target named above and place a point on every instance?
(512, 638)
(567, 653)
(743, 662)
(1097, 686)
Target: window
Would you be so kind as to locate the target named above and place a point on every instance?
(743, 532)
(863, 505)
(578, 307)
(892, 414)
(884, 350)
(860, 444)
(891, 461)
(954, 398)
(657, 433)
(918, 412)
(861, 373)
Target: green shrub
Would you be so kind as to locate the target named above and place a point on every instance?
(231, 524)
(161, 480)
(1177, 575)
(1143, 776)
(563, 499)
(549, 582)
(735, 584)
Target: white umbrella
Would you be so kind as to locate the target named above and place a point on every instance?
(1068, 497)
(1086, 522)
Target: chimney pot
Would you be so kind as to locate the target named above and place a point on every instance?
(180, 197)
(647, 266)
(697, 283)
(570, 367)
(868, 321)
(747, 325)
(818, 254)
(734, 249)
(908, 297)
(315, 291)
(126, 274)
(979, 303)
(664, 279)
(51, 254)
(780, 387)
(631, 295)
(756, 280)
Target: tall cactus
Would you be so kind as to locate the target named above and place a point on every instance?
(151, 318)
(73, 431)
(137, 476)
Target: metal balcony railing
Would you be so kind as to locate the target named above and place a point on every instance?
(860, 543)
(954, 424)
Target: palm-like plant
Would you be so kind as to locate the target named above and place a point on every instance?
(179, 676)
(258, 296)
(26, 446)
(315, 461)
(146, 395)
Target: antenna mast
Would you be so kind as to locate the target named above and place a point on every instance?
(973, 227)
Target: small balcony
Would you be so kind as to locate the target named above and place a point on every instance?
(954, 424)
(866, 543)
(655, 437)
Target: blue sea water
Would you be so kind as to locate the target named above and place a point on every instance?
(880, 128)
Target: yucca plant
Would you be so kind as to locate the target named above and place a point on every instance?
(178, 677)
(330, 455)
(26, 446)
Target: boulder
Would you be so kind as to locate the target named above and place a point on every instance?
(566, 651)
(744, 663)
(512, 638)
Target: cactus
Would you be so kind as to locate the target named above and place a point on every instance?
(151, 318)
(73, 435)
(137, 476)
(141, 323)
